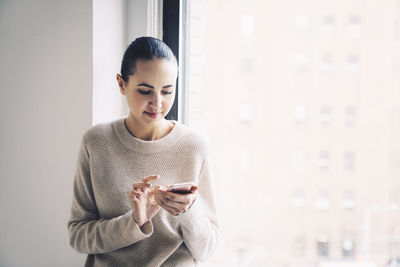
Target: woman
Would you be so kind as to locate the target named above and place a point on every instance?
(123, 213)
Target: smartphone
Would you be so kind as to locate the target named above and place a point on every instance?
(182, 188)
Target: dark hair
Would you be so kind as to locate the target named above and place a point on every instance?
(145, 48)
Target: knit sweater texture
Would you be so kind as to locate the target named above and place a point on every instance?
(101, 224)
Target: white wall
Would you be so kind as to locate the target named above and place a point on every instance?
(58, 61)
(116, 23)
(109, 44)
(136, 19)
(45, 106)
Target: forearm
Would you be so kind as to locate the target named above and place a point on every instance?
(199, 231)
(106, 235)
(88, 232)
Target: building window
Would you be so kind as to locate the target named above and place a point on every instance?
(326, 64)
(350, 116)
(323, 161)
(245, 113)
(352, 64)
(247, 26)
(247, 63)
(298, 198)
(325, 115)
(354, 27)
(349, 159)
(299, 113)
(302, 23)
(328, 26)
(323, 246)
(302, 60)
(348, 201)
(323, 202)
(348, 248)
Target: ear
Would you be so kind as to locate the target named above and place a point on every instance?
(121, 84)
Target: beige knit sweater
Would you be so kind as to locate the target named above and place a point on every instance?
(101, 223)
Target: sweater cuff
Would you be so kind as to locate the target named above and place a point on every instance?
(189, 217)
(147, 228)
(142, 232)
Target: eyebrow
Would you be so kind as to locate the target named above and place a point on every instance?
(152, 87)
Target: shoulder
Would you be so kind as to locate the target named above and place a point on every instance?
(194, 140)
(98, 134)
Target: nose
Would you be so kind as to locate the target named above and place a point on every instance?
(156, 102)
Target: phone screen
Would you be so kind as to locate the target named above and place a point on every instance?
(183, 188)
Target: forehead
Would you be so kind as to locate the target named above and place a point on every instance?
(160, 69)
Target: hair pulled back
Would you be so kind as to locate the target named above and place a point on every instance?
(144, 48)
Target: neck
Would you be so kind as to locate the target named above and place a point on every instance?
(148, 133)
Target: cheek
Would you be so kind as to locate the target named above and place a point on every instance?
(137, 100)
(169, 101)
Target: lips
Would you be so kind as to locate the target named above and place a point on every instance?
(152, 114)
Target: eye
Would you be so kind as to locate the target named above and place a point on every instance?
(143, 92)
(166, 92)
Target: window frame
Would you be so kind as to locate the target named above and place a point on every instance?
(174, 30)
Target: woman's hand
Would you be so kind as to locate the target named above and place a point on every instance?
(143, 202)
(174, 203)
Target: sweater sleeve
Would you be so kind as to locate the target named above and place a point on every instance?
(90, 234)
(199, 224)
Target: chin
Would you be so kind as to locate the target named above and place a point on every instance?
(153, 121)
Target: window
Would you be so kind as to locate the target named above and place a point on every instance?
(247, 26)
(350, 116)
(348, 201)
(258, 98)
(302, 23)
(298, 198)
(352, 64)
(247, 63)
(323, 203)
(323, 246)
(349, 158)
(354, 27)
(348, 248)
(328, 26)
(326, 64)
(323, 161)
(299, 113)
(325, 115)
(302, 62)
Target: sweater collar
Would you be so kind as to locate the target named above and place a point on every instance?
(136, 144)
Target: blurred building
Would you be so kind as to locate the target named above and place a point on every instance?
(301, 104)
